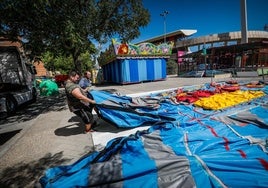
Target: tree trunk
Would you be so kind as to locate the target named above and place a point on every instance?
(77, 63)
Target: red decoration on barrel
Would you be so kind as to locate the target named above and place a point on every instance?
(123, 49)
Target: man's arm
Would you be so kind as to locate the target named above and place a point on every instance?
(77, 94)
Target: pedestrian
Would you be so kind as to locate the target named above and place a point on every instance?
(78, 101)
(85, 82)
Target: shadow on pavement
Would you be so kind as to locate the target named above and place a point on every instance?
(43, 104)
(74, 129)
(4, 137)
(27, 175)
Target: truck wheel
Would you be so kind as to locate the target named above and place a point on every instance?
(11, 105)
(34, 95)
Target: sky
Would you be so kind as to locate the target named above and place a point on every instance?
(205, 16)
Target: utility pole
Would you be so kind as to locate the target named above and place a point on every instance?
(244, 27)
(164, 15)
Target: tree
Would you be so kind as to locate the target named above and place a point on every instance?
(65, 64)
(59, 63)
(172, 67)
(70, 27)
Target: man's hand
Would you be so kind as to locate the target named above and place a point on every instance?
(87, 89)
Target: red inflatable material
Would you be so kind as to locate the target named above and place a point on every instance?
(191, 97)
(202, 93)
(230, 88)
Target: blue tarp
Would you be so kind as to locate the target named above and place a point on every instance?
(127, 112)
(186, 146)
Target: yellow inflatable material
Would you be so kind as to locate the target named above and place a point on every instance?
(227, 99)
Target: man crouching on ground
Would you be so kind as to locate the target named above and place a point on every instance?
(78, 101)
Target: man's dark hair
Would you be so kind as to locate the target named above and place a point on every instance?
(85, 73)
(73, 73)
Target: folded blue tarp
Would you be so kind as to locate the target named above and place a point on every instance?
(127, 112)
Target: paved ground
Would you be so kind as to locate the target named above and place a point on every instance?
(46, 134)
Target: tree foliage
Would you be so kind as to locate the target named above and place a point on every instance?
(172, 67)
(69, 27)
(64, 64)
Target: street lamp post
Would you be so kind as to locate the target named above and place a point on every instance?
(164, 15)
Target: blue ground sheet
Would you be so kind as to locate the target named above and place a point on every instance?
(185, 146)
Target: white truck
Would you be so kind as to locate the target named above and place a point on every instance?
(17, 80)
